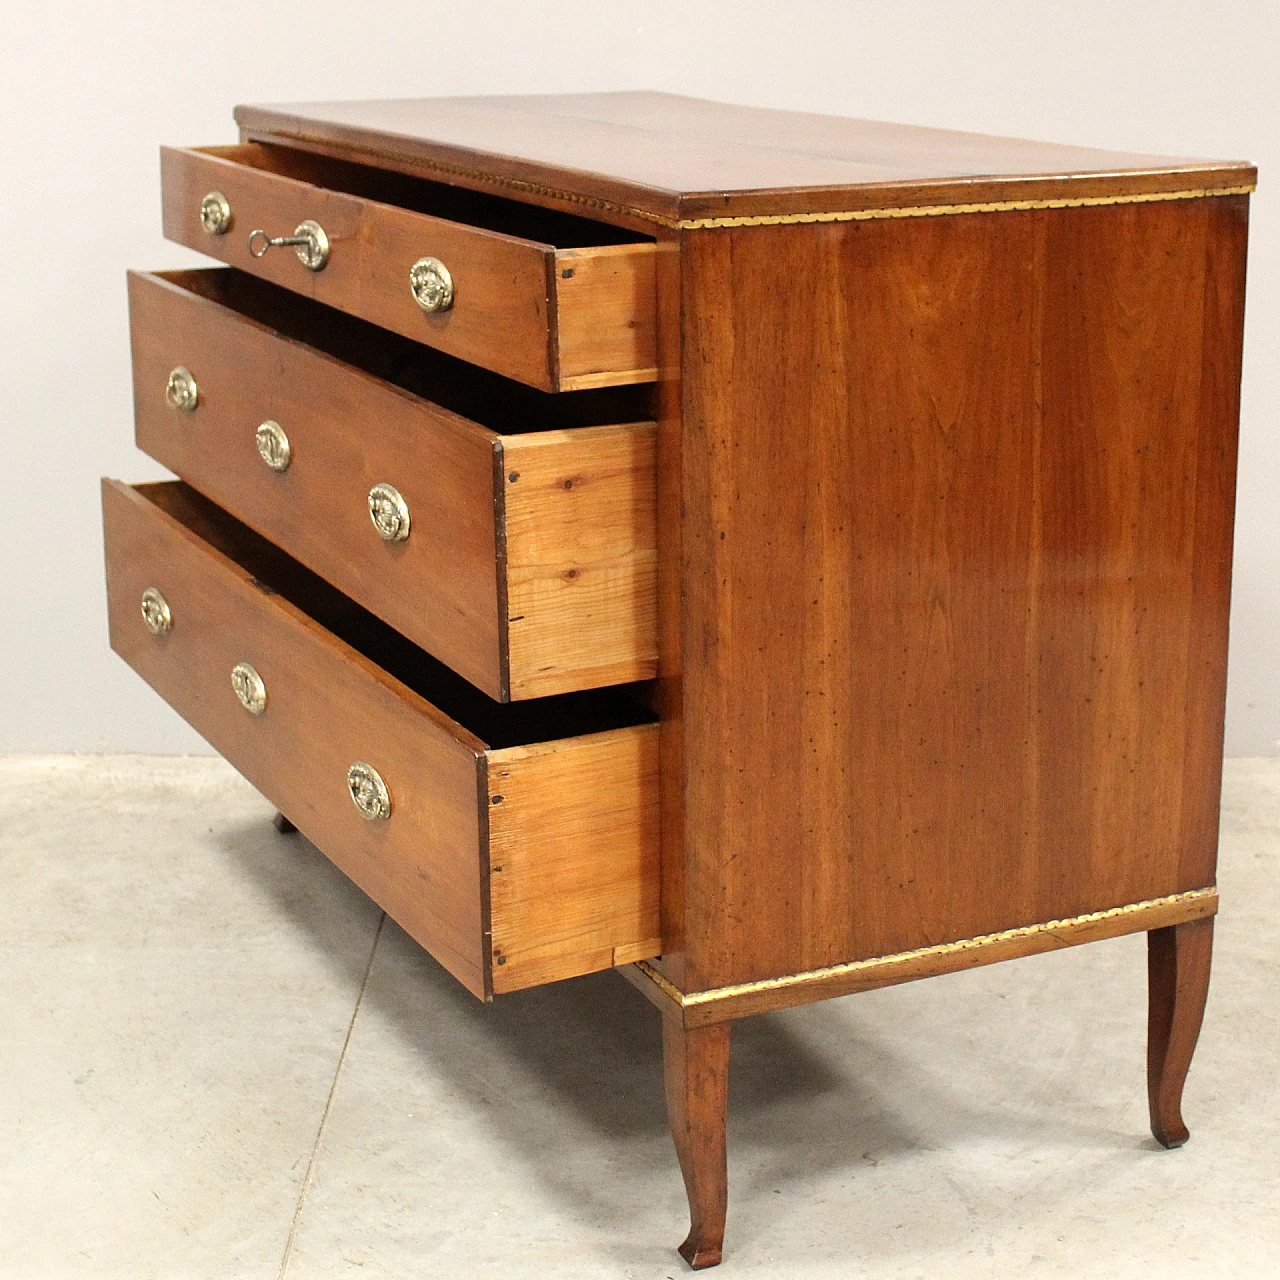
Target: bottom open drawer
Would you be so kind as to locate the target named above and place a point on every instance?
(517, 843)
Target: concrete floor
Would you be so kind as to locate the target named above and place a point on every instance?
(219, 1060)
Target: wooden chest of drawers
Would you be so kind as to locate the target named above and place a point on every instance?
(775, 555)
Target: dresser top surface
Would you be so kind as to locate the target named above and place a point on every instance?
(675, 159)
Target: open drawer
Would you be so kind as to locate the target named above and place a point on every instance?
(524, 554)
(552, 300)
(518, 844)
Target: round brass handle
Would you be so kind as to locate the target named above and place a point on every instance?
(308, 240)
(273, 445)
(180, 391)
(156, 612)
(432, 285)
(389, 513)
(215, 214)
(368, 792)
(249, 688)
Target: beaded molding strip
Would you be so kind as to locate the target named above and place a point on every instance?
(941, 210)
(1204, 899)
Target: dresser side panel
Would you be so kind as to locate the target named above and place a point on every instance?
(957, 527)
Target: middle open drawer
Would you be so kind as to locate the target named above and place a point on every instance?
(521, 553)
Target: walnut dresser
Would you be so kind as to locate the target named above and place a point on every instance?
(775, 555)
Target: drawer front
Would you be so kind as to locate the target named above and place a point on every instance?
(518, 582)
(555, 319)
(347, 432)
(577, 864)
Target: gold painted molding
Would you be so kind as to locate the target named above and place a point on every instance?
(719, 1003)
(943, 210)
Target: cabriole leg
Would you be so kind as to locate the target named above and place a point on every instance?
(696, 1066)
(1178, 978)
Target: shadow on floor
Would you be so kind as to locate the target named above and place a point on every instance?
(813, 1091)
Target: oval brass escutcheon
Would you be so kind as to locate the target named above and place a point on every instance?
(215, 214)
(368, 792)
(273, 445)
(156, 612)
(249, 688)
(180, 391)
(389, 512)
(432, 285)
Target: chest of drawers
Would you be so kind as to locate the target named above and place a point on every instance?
(776, 556)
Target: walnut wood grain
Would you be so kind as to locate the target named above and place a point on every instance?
(508, 298)
(582, 822)
(569, 543)
(1178, 962)
(956, 561)
(637, 156)
(347, 431)
(696, 1071)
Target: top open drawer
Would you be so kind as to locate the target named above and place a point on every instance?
(555, 301)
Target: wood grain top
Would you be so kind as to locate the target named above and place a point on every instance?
(668, 158)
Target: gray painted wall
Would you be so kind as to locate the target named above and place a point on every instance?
(93, 89)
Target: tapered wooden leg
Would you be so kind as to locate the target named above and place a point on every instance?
(696, 1065)
(283, 825)
(1178, 980)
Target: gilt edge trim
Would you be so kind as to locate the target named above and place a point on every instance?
(942, 210)
(692, 999)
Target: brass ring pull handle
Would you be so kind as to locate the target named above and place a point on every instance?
(431, 284)
(368, 792)
(156, 612)
(273, 445)
(389, 513)
(180, 391)
(308, 241)
(249, 688)
(215, 214)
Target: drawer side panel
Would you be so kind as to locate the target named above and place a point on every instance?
(606, 310)
(580, 518)
(574, 874)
